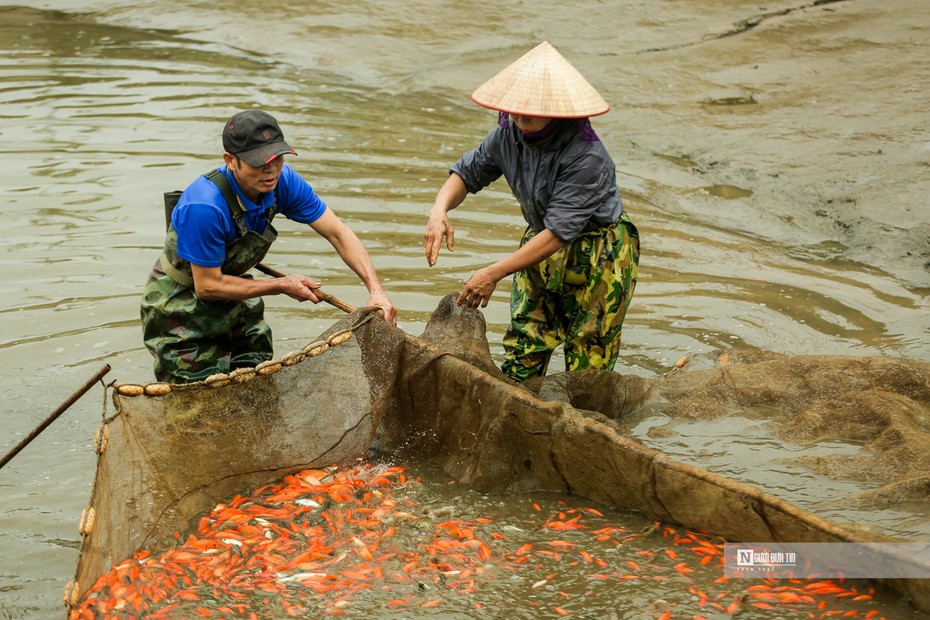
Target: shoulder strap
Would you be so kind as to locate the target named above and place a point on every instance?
(232, 201)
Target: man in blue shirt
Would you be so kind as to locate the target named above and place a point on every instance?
(202, 313)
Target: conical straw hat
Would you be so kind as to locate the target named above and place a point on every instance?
(541, 83)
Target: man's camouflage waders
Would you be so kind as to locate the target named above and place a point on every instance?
(578, 296)
(190, 338)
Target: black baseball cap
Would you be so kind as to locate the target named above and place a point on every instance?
(254, 137)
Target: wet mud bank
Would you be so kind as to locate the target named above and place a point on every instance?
(808, 118)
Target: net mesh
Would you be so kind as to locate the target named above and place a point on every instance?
(166, 458)
(169, 458)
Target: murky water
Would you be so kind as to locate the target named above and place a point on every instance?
(105, 105)
(746, 449)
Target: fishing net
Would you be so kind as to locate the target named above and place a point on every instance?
(881, 404)
(170, 453)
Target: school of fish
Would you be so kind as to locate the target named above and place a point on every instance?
(328, 542)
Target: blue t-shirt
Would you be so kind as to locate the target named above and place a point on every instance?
(205, 226)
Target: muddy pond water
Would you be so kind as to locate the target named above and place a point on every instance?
(735, 179)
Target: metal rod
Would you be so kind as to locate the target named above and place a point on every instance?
(333, 301)
(54, 416)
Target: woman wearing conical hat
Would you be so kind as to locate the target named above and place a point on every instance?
(576, 267)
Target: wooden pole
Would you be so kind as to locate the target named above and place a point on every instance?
(54, 416)
(333, 301)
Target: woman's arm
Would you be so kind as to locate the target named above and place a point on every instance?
(478, 288)
(438, 227)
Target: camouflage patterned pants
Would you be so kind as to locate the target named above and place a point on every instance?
(578, 296)
(193, 339)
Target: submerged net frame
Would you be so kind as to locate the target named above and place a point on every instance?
(169, 453)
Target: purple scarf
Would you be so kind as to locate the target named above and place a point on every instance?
(586, 130)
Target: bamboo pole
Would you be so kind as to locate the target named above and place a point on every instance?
(54, 416)
(333, 301)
